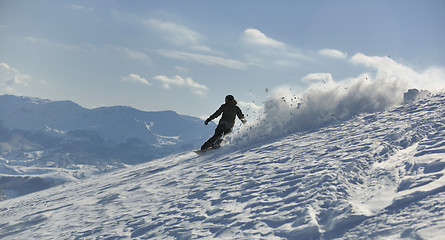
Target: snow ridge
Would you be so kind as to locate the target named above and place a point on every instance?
(378, 175)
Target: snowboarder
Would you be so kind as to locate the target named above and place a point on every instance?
(229, 112)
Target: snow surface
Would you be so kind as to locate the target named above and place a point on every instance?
(44, 143)
(379, 175)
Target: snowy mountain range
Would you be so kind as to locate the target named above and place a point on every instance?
(44, 143)
(373, 175)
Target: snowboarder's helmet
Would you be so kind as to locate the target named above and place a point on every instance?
(229, 98)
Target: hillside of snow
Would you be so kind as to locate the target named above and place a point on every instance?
(44, 143)
(376, 175)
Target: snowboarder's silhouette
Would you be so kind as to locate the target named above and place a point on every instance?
(229, 112)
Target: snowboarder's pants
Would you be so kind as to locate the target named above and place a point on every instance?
(223, 128)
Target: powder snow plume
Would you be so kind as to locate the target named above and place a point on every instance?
(328, 101)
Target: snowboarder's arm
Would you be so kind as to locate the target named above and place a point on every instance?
(214, 115)
(240, 115)
(217, 113)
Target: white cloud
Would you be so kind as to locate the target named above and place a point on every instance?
(263, 51)
(136, 78)
(168, 82)
(180, 35)
(11, 77)
(175, 33)
(325, 77)
(332, 53)
(256, 37)
(203, 59)
(206, 49)
(196, 87)
(80, 8)
(132, 54)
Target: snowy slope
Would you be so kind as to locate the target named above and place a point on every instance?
(44, 143)
(375, 176)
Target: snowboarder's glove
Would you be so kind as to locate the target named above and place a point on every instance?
(243, 121)
(207, 121)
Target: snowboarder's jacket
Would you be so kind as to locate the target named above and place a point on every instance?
(229, 111)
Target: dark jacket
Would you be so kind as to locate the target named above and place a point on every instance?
(229, 111)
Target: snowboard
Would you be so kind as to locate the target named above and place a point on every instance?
(207, 150)
(219, 143)
(199, 152)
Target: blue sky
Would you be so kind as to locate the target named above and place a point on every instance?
(187, 55)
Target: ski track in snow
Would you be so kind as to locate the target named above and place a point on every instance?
(378, 176)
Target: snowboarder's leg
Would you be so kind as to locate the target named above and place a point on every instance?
(218, 134)
(226, 130)
(217, 143)
(209, 143)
